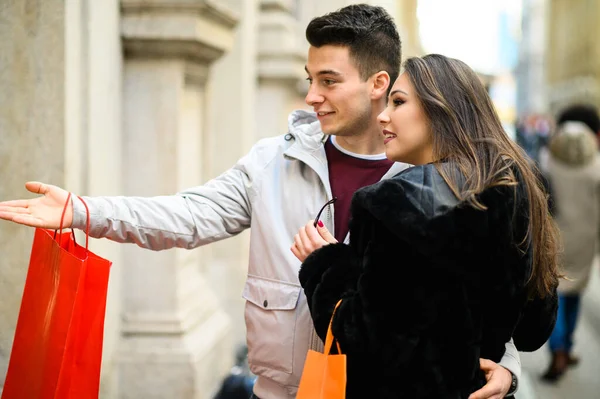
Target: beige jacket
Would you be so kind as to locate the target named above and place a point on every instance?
(574, 172)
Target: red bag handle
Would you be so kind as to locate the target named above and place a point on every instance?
(330, 338)
(87, 224)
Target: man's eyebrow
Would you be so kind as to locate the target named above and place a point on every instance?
(325, 72)
(398, 91)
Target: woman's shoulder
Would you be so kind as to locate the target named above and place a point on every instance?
(418, 205)
(420, 191)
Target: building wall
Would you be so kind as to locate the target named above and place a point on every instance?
(232, 112)
(573, 63)
(32, 141)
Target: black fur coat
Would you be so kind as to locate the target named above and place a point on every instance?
(429, 286)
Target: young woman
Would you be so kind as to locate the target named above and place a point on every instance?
(448, 259)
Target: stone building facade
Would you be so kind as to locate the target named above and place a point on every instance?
(573, 52)
(147, 97)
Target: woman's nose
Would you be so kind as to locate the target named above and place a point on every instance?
(383, 118)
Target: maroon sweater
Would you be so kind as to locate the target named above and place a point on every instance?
(346, 175)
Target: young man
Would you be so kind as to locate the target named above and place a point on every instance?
(283, 182)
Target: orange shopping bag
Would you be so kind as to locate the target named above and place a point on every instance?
(57, 348)
(324, 375)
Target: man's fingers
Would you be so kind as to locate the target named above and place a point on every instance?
(37, 187)
(486, 392)
(14, 209)
(28, 220)
(486, 365)
(14, 204)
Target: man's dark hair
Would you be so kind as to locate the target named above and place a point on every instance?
(585, 113)
(370, 34)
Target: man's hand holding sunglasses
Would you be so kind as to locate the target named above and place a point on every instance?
(311, 238)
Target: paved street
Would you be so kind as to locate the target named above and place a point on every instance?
(582, 381)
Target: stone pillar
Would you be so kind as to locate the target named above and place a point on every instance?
(32, 142)
(281, 59)
(573, 59)
(176, 339)
(232, 94)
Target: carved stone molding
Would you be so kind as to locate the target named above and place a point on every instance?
(281, 48)
(578, 89)
(197, 30)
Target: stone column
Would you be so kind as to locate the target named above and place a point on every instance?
(573, 59)
(281, 59)
(176, 338)
(93, 141)
(32, 142)
(232, 94)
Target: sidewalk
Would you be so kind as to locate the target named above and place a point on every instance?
(582, 381)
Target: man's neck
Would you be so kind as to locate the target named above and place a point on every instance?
(368, 143)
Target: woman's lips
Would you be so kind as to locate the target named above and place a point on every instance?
(388, 136)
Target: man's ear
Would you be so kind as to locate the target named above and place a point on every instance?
(381, 83)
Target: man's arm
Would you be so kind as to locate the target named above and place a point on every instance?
(216, 210)
(511, 360)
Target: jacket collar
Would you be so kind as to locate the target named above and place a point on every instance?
(305, 131)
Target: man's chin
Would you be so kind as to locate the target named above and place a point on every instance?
(329, 130)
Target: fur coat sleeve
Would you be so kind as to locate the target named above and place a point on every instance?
(429, 285)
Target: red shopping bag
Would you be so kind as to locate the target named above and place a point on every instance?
(57, 348)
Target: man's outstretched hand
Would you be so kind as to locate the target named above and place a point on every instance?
(44, 211)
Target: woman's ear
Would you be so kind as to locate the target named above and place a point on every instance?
(381, 83)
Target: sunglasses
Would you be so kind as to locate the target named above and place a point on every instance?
(331, 201)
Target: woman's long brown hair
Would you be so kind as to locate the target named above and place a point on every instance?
(468, 134)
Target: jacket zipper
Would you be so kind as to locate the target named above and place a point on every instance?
(315, 342)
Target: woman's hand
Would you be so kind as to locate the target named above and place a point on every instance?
(311, 238)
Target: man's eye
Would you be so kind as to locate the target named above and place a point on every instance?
(328, 82)
(309, 80)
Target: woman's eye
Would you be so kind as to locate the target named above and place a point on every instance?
(397, 102)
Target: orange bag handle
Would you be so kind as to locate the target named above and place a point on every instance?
(87, 224)
(330, 338)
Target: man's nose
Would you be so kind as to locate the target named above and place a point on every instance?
(313, 97)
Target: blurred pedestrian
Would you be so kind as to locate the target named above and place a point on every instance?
(585, 113)
(574, 172)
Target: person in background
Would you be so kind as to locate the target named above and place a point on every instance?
(574, 172)
(448, 259)
(584, 113)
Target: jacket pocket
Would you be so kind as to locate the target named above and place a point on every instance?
(271, 324)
